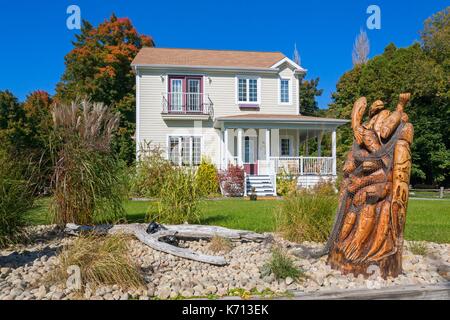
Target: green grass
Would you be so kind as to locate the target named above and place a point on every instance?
(426, 220)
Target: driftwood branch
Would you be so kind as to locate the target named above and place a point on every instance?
(183, 232)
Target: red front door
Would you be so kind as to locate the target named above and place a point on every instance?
(250, 162)
(251, 168)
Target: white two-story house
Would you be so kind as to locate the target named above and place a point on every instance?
(238, 107)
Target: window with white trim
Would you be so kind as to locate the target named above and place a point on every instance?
(184, 150)
(248, 90)
(284, 91)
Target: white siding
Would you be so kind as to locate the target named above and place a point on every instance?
(221, 87)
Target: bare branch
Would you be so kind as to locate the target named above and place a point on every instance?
(361, 49)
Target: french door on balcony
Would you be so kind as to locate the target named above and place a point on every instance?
(193, 95)
(185, 94)
(176, 95)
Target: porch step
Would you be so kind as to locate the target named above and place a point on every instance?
(262, 184)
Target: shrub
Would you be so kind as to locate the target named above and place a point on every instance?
(324, 188)
(178, 198)
(286, 184)
(151, 171)
(16, 197)
(281, 265)
(102, 261)
(220, 244)
(87, 180)
(306, 216)
(207, 179)
(232, 181)
(418, 248)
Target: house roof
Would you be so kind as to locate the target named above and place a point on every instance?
(279, 117)
(207, 58)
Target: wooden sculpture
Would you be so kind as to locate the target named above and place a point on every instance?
(369, 225)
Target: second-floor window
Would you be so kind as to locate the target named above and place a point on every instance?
(248, 90)
(284, 91)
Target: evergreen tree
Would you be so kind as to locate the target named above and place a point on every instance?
(308, 93)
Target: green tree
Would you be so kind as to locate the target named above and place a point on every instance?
(308, 93)
(436, 37)
(12, 120)
(99, 68)
(37, 109)
(384, 77)
(38, 126)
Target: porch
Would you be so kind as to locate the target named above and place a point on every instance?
(269, 145)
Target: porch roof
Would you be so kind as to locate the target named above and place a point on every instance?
(274, 121)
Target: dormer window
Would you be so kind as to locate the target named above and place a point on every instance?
(285, 91)
(248, 90)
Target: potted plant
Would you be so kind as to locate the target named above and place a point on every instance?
(253, 195)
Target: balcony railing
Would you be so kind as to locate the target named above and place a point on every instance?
(187, 103)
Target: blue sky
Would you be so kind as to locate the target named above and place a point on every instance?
(34, 37)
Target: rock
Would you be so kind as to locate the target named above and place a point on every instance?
(41, 292)
(164, 292)
(211, 289)
(108, 296)
(444, 271)
(125, 296)
(5, 271)
(57, 295)
(187, 293)
(289, 280)
(16, 292)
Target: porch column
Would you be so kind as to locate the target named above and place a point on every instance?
(307, 144)
(225, 151)
(319, 145)
(240, 133)
(333, 150)
(267, 144)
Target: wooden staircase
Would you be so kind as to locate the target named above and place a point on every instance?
(263, 185)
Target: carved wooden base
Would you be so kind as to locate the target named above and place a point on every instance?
(388, 267)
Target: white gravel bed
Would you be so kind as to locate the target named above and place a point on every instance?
(23, 267)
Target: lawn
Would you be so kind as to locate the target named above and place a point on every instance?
(427, 219)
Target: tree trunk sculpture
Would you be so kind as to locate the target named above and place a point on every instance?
(373, 199)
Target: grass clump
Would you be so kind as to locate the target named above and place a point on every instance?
(418, 248)
(87, 182)
(16, 198)
(152, 170)
(281, 265)
(220, 244)
(179, 199)
(102, 261)
(306, 215)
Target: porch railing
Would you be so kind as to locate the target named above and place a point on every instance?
(303, 165)
(187, 103)
(293, 165)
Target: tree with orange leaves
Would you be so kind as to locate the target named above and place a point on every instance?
(98, 68)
